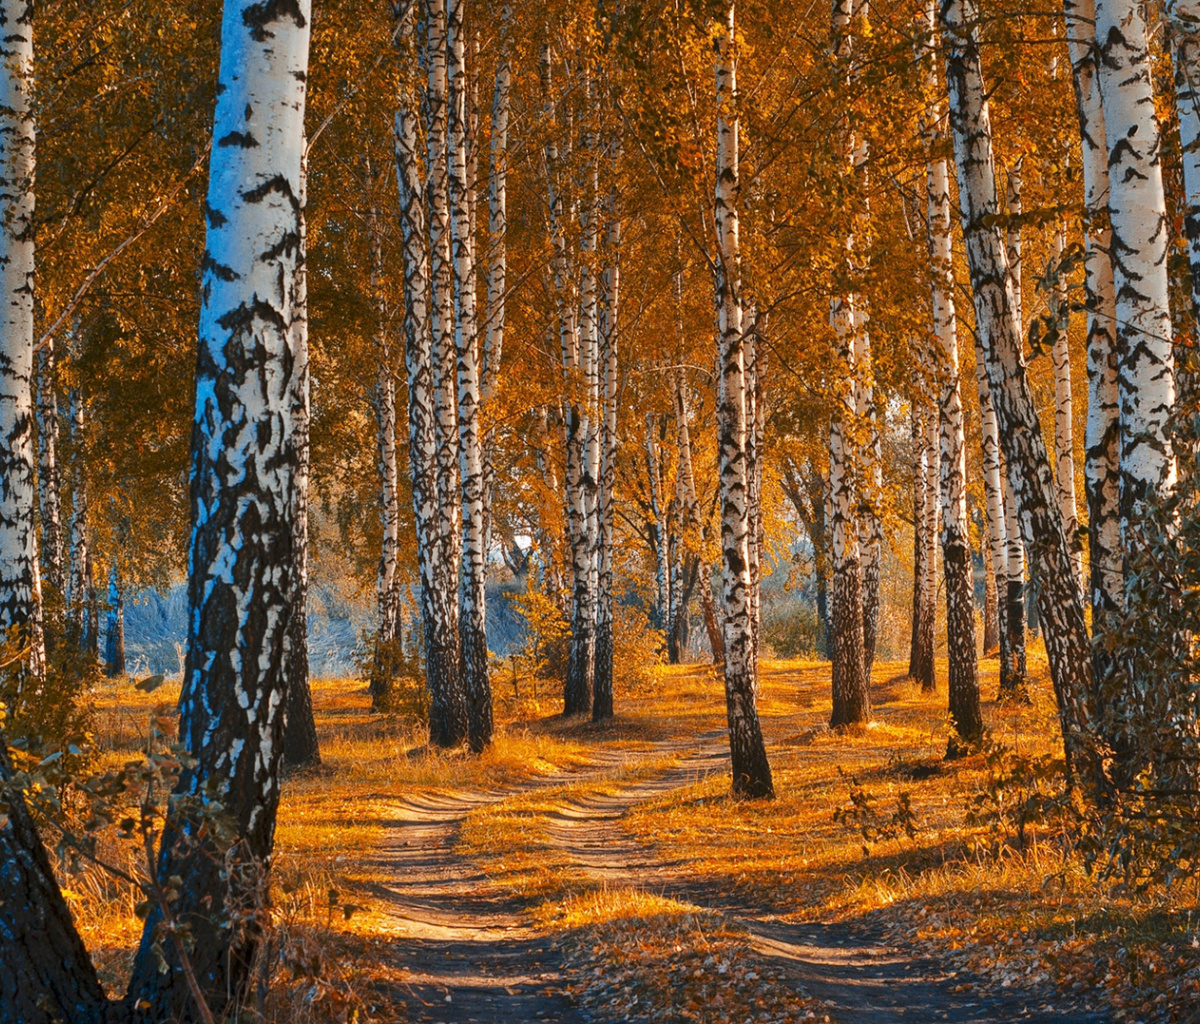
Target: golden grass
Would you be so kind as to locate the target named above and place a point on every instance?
(330, 817)
(971, 895)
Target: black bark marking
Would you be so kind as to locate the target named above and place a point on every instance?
(243, 140)
(219, 270)
(257, 17)
(277, 183)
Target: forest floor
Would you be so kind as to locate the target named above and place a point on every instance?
(583, 873)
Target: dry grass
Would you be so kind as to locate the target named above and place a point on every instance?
(971, 894)
(330, 818)
(1021, 912)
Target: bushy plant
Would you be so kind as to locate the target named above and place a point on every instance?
(49, 713)
(638, 648)
(1149, 825)
(542, 651)
(1020, 791)
(396, 679)
(791, 628)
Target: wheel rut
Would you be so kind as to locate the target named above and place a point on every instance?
(472, 955)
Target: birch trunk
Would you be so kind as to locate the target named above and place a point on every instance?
(687, 477)
(851, 682)
(49, 478)
(300, 745)
(589, 339)
(448, 713)
(1067, 645)
(748, 755)
(77, 588)
(754, 471)
(449, 710)
(388, 578)
(20, 590)
(1013, 682)
(991, 610)
(1138, 247)
(242, 577)
(997, 521)
(1101, 440)
(871, 471)
(925, 519)
(46, 974)
(956, 543)
(658, 528)
(473, 580)
(610, 286)
(496, 311)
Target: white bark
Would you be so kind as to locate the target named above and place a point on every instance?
(473, 580)
(956, 542)
(1139, 245)
(77, 586)
(388, 580)
(441, 309)
(20, 590)
(1101, 462)
(49, 475)
(241, 574)
(435, 549)
(751, 772)
(1068, 646)
(496, 310)
(610, 286)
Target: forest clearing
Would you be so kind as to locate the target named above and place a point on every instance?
(599, 510)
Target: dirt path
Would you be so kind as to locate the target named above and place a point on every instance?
(473, 957)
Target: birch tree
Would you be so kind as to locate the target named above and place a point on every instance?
(1101, 439)
(1067, 645)
(851, 692)
(48, 474)
(45, 972)
(926, 474)
(436, 546)
(242, 577)
(957, 565)
(610, 291)
(1013, 673)
(388, 579)
(751, 771)
(300, 745)
(473, 581)
(1138, 248)
(497, 274)
(20, 588)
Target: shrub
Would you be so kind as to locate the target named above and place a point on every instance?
(1149, 826)
(638, 648)
(791, 628)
